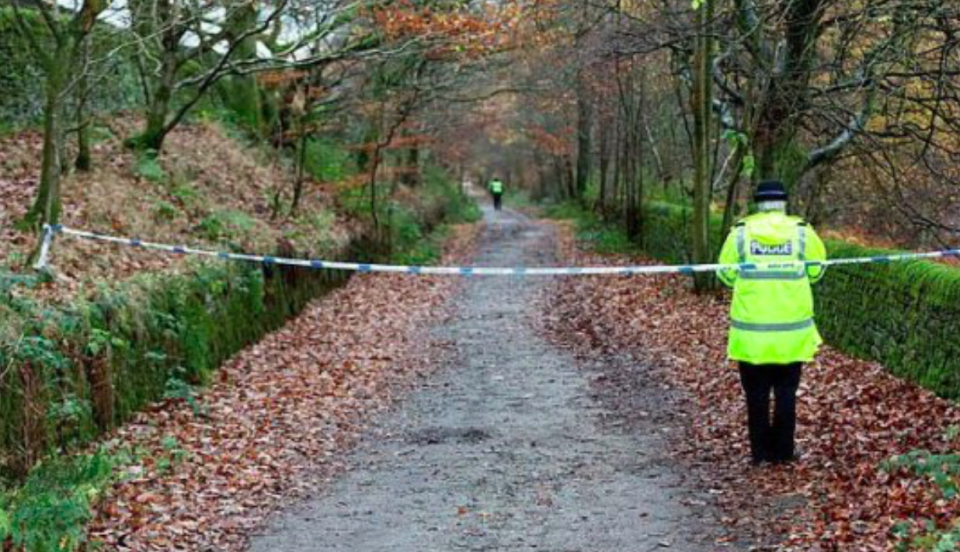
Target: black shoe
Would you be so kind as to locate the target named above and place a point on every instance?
(785, 460)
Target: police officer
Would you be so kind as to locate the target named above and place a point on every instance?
(772, 330)
(496, 190)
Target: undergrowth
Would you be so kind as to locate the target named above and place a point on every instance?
(411, 224)
(50, 511)
(943, 471)
(602, 236)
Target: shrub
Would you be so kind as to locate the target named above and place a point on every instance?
(149, 168)
(586, 219)
(443, 192)
(228, 225)
(603, 237)
(406, 228)
(49, 513)
(666, 231)
(186, 195)
(316, 231)
(408, 219)
(327, 161)
(165, 211)
(241, 95)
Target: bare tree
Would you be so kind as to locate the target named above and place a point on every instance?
(59, 50)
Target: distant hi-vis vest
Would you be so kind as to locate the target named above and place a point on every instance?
(772, 319)
(496, 187)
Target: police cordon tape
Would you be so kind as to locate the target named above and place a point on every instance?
(51, 231)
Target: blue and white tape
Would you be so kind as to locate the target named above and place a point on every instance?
(51, 231)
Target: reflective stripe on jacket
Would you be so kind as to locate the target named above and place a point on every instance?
(772, 319)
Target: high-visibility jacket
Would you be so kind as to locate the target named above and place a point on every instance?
(772, 318)
(496, 187)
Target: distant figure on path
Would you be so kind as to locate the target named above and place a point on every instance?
(496, 190)
(772, 329)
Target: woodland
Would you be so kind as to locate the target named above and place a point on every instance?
(355, 130)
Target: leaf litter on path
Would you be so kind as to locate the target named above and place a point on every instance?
(280, 416)
(853, 415)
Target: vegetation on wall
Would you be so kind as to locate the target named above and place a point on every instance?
(905, 315)
(78, 370)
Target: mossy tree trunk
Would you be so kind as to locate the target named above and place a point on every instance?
(47, 203)
(158, 110)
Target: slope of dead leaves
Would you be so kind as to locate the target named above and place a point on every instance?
(204, 172)
(278, 419)
(853, 415)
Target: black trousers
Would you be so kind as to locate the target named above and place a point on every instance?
(771, 441)
(497, 201)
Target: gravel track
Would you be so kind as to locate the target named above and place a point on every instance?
(509, 446)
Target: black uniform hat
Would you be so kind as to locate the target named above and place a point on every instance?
(770, 190)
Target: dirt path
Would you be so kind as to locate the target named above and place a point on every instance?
(508, 447)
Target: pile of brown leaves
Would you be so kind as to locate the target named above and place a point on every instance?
(853, 416)
(279, 418)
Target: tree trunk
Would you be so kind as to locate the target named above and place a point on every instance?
(617, 164)
(411, 175)
(730, 208)
(654, 149)
(640, 149)
(561, 186)
(158, 108)
(787, 95)
(584, 139)
(301, 166)
(604, 165)
(84, 160)
(374, 206)
(543, 175)
(626, 176)
(46, 206)
(155, 131)
(702, 107)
